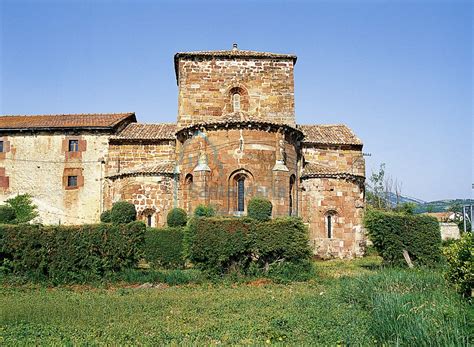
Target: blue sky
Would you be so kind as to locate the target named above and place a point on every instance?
(399, 73)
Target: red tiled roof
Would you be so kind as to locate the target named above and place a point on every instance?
(165, 167)
(329, 134)
(102, 120)
(137, 131)
(318, 170)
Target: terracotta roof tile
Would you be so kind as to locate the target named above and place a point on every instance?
(102, 120)
(317, 170)
(329, 134)
(137, 131)
(165, 167)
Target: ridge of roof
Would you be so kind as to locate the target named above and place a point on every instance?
(333, 134)
(61, 121)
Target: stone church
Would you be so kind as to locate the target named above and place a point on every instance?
(235, 137)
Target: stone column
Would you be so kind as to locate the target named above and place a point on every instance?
(202, 173)
(281, 179)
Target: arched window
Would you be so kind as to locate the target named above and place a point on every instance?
(330, 220)
(236, 102)
(291, 196)
(188, 182)
(240, 193)
(148, 220)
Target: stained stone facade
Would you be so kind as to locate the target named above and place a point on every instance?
(235, 137)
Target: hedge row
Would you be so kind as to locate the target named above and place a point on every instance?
(220, 244)
(391, 233)
(164, 247)
(70, 254)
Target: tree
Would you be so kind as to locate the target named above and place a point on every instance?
(24, 208)
(376, 189)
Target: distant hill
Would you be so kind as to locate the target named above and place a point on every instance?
(429, 206)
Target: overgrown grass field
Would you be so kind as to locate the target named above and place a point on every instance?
(347, 303)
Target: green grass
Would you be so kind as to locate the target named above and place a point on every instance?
(347, 303)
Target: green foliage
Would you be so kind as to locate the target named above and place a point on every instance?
(123, 212)
(260, 209)
(408, 308)
(63, 254)
(24, 208)
(391, 233)
(406, 208)
(177, 217)
(460, 257)
(375, 195)
(220, 245)
(7, 214)
(106, 217)
(164, 247)
(204, 211)
(296, 271)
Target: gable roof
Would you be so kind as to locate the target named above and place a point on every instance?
(101, 121)
(138, 131)
(333, 134)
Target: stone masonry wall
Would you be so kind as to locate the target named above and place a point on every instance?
(128, 156)
(233, 152)
(38, 164)
(206, 85)
(342, 158)
(344, 200)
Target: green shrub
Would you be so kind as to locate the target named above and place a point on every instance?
(106, 217)
(260, 209)
(204, 211)
(291, 271)
(281, 239)
(7, 214)
(460, 257)
(63, 254)
(177, 217)
(216, 244)
(24, 208)
(391, 233)
(164, 247)
(220, 245)
(123, 212)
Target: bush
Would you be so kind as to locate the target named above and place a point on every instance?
(204, 211)
(7, 214)
(123, 212)
(460, 257)
(177, 217)
(106, 217)
(63, 254)
(391, 233)
(24, 208)
(220, 245)
(260, 209)
(164, 247)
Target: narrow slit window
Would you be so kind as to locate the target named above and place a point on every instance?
(329, 217)
(240, 194)
(1, 146)
(73, 145)
(72, 181)
(236, 102)
(148, 220)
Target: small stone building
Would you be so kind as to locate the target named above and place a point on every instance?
(235, 137)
